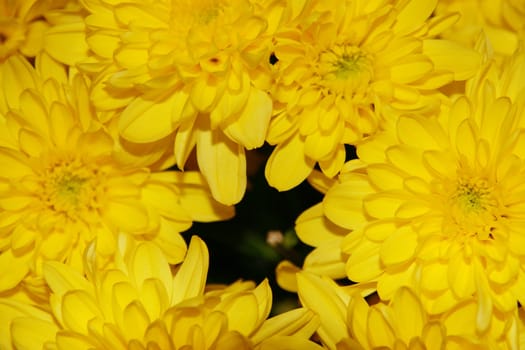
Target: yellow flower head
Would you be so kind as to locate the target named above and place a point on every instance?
(192, 71)
(437, 204)
(63, 186)
(501, 20)
(349, 322)
(141, 304)
(340, 65)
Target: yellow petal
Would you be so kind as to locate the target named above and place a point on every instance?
(410, 69)
(288, 166)
(461, 276)
(413, 14)
(32, 333)
(197, 200)
(148, 262)
(136, 320)
(62, 278)
(409, 314)
(288, 343)
(16, 76)
(311, 222)
(380, 331)
(241, 310)
(146, 120)
(286, 275)
(66, 42)
(301, 321)
(326, 260)
(74, 341)
(251, 125)
(450, 56)
(78, 308)
(13, 269)
(364, 263)
(343, 204)
(318, 295)
(191, 277)
(130, 216)
(399, 247)
(223, 164)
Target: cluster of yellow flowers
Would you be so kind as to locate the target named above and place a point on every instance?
(122, 122)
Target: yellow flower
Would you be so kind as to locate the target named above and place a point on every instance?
(439, 205)
(341, 65)
(140, 304)
(193, 71)
(349, 322)
(501, 20)
(61, 184)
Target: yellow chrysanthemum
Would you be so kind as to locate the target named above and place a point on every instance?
(501, 20)
(61, 183)
(22, 26)
(437, 203)
(140, 304)
(340, 65)
(349, 323)
(192, 71)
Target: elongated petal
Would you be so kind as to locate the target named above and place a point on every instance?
(191, 276)
(288, 166)
(223, 164)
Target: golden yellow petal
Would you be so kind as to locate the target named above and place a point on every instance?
(16, 76)
(343, 203)
(251, 125)
(136, 320)
(409, 314)
(447, 55)
(66, 42)
(301, 322)
(223, 164)
(288, 343)
(413, 14)
(73, 341)
(288, 166)
(311, 222)
(380, 331)
(197, 200)
(128, 215)
(285, 273)
(399, 247)
(318, 295)
(191, 277)
(146, 120)
(78, 308)
(31, 332)
(364, 263)
(326, 260)
(13, 268)
(148, 262)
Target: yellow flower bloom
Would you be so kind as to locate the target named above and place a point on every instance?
(62, 184)
(348, 322)
(341, 65)
(501, 20)
(439, 205)
(194, 71)
(140, 304)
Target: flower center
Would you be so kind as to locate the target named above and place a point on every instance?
(345, 69)
(71, 187)
(473, 207)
